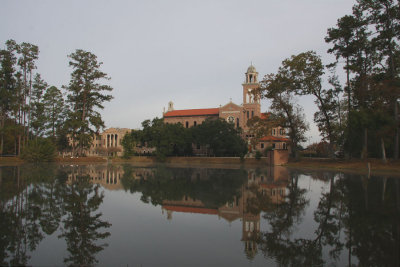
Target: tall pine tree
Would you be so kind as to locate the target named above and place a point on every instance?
(85, 96)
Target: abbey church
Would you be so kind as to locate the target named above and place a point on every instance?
(109, 142)
(234, 113)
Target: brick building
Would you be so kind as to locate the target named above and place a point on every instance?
(233, 113)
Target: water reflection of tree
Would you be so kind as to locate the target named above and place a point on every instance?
(358, 213)
(215, 187)
(83, 227)
(277, 242)
(372, 220)
(32, 204)
(20, 211)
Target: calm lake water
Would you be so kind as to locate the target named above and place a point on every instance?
(125, 215)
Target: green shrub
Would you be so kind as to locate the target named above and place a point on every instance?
(39, 150)
(258, 155)
(267, 149)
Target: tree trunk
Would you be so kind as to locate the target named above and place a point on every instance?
(396, 137)
(364, 152)
(1, 144)
(19, 144)
(29, 105)
(383, 151)
(348, 90)
(2, 135)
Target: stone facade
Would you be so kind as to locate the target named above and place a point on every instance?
(107, 143)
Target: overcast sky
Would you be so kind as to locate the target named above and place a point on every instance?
(194, 53)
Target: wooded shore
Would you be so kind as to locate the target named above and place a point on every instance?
(376, 167)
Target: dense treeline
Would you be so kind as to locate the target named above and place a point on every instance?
(216, 136)
(362, 116)
(30, 109)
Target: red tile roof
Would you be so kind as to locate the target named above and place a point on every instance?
(191, 209)
(274, 138)
(192, 112)
(265, 116)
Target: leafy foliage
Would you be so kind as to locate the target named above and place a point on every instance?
(290, 115)
(40, 149)
(220, 138)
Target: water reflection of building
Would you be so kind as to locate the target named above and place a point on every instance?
(108, 176)
(267, 187)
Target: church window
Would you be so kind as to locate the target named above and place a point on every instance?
(187, 124)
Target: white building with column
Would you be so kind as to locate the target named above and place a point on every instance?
(107, 143)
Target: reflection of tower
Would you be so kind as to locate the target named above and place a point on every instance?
(169, 215)
(250, 221)
(250, 233)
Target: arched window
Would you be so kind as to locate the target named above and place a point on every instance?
(187, 124)
(194, 123)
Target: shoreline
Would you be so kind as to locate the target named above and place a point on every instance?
(356, 166)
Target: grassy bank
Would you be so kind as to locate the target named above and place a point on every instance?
(81, 160)
(10, 161)
(17, 160)
(356, 166)
(197, 161)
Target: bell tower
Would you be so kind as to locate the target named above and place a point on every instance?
(251, 98)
